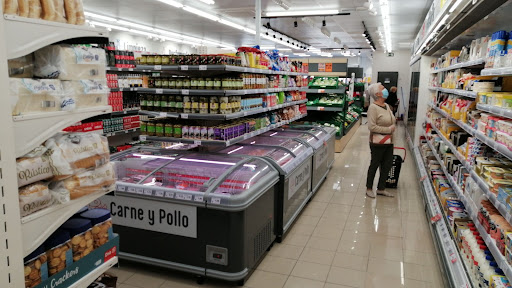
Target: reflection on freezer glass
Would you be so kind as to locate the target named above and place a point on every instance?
(306, 137)
(294, 146)
(278, 154)
(191, 172)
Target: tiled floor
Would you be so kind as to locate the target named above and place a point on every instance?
(342, 239)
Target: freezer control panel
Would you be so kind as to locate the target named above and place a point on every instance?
(217, 255)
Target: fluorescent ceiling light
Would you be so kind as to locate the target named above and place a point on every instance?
(284, 49)
(302, 13)
(201, 13)
(440, 24)
(109, 26)
(337, 49)
(232, 24)
(143, 27)
(209, 2)
(455, 6)
(101, 17)
(267, 47)
(172, 3)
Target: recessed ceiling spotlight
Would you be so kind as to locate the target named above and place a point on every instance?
(295, 24)
(323, 23)
(359, 53)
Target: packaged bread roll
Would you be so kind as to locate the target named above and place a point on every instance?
(48, 10)
(23, 8)
(70, 62)
(33, 167)
(60, 13)
(10, 7)
(73, 153)
(88, 93)
(80, 15)
(34, 197)
(70, 7)
(35, 96)
(85, 183)
(35, 9)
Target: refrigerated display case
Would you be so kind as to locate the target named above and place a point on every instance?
(321, 140)
(292, 158)
(207, 214)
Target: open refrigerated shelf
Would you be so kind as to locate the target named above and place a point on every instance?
(450, 259)
(504, 71)
(219, 142)
(27, 35)
(503, 112)
(468, 64)
(461, 124)
(191, 68)
(33, 129)
(460, 92)
(37, 227)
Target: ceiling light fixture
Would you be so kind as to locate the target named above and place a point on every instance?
(95, 23)
(326, 32)
(295, 24)
(302, 13)
(283, 3)
(139, 26)
(209, 2)
(384, 9)
(323, 23)
(201, 13)
(172, 3)
(101, 17)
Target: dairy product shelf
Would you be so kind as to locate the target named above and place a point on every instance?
(504, 112)
(497, 71)
(478, 62)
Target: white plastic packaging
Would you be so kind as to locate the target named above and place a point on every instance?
(34, 197)
(35, 96)
(88, 93)
(70, 62)
(33, 167)
(73, 153)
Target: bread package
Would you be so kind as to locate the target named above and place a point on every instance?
(10, 7)
(23, 8)
(34, 197)
(33, 167)
(22, 67)
(73, 153)
(48, 10)
(88, 93)
(70, 62)
(60, 13)
(35, 9)
(35, 96)
(85, 183)
(80, 15)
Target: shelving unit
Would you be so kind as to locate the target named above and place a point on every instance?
(203, 69)
(121, 132)
(470, 94)
(468, 64)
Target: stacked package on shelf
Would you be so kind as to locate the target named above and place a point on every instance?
(73, 77)
(496, 172)
(497, 52)
(64, 11)
(66, 167)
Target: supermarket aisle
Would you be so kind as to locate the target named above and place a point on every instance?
(342, 239)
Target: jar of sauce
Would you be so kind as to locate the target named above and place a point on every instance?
(164, 102)
(168, 130)
(177, 131)
(149, 102)
(156, 102)
(179, 104)
(150, 127)
(159, 129)
(171, 103)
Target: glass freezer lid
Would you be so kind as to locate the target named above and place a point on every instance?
(135, 167)
(319, 133)
(304, 136)
(279, 155)
(293, 145)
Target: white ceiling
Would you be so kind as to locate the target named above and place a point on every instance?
(406, 17)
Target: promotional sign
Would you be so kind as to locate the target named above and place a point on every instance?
(321, 67)
(298, 178)
(151, 215)
(328, 67)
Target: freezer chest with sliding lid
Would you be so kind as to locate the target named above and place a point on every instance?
(317, 139)
(207, 214)
(293, 160)
(323, 133)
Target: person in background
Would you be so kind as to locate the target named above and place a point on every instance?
(392, 100)
(381, 123)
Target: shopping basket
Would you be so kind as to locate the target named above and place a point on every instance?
(394, 173)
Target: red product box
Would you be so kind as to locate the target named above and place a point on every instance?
(135, 124)
(87, 127)
(135, 118)
(97, 125)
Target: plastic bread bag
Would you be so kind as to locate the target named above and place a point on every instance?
(74, 12)
(33, 167)
(73, 153)
(85, 183)
(34, 197)
(35, 96)
(88, 93)
(23, 8)
(60, 13)
(67, 62)
(48, 7)
(10, 7)
(22, 67)
(35, 9)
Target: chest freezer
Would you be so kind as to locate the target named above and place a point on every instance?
(292, 159)
(207, 214)
(321, 144)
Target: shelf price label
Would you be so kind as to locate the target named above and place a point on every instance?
(163, 114)
(139, 191)
(423, 178)
(158, 67)
(169, 194)
(121, 188)
(184, 67)
(321, 90)
(148, 192)
(321, 108)
(198, 198)
(203, 67)
(184, 116)
(142, 138)
(185, 92)
(215, 200)
(159, 193)
(131, 189)
(197, 142)
(435, 218)
(159, 91)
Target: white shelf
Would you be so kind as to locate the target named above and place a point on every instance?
(497, 71)
(460, 65)
(504, 112)
(460, 92)
(32, 130)
(37, 227)
(91, 277)
(26, 35)
(121, 132)
(203, 68)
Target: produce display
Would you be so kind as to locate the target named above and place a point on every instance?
(65, 11)
(324, 82)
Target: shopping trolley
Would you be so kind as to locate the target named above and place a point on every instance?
(394, 173)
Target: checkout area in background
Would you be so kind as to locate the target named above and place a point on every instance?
(215, 215)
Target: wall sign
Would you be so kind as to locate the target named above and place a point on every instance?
(298, 178)
(151, 215)
(321, 67)
(328, 67)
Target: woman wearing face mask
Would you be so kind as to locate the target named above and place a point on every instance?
(381, 123)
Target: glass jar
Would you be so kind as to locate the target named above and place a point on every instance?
(179, 83)
(187, 104)
(225, 84)
(171, 103)
(172, 60)
(186, 83)
(214, 105)
(159, 129)
(172, 83)
(217, 84)
(193, 83)
(158, 59)
(179, 104)
(143, 60)
(164, 103)
(200, 83)
(158, 82)
(195, 104)
(165, 83)
(150, 59)
(150, 128)
(156, 102)
(151, 82)
(224, 101)
(143, 127)
(165, 60)
(177, 131)
(143, 102)
(203, 105)
(208, 84)
(150, 99)
(168, 130)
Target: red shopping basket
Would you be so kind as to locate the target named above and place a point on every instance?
(394, 173)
